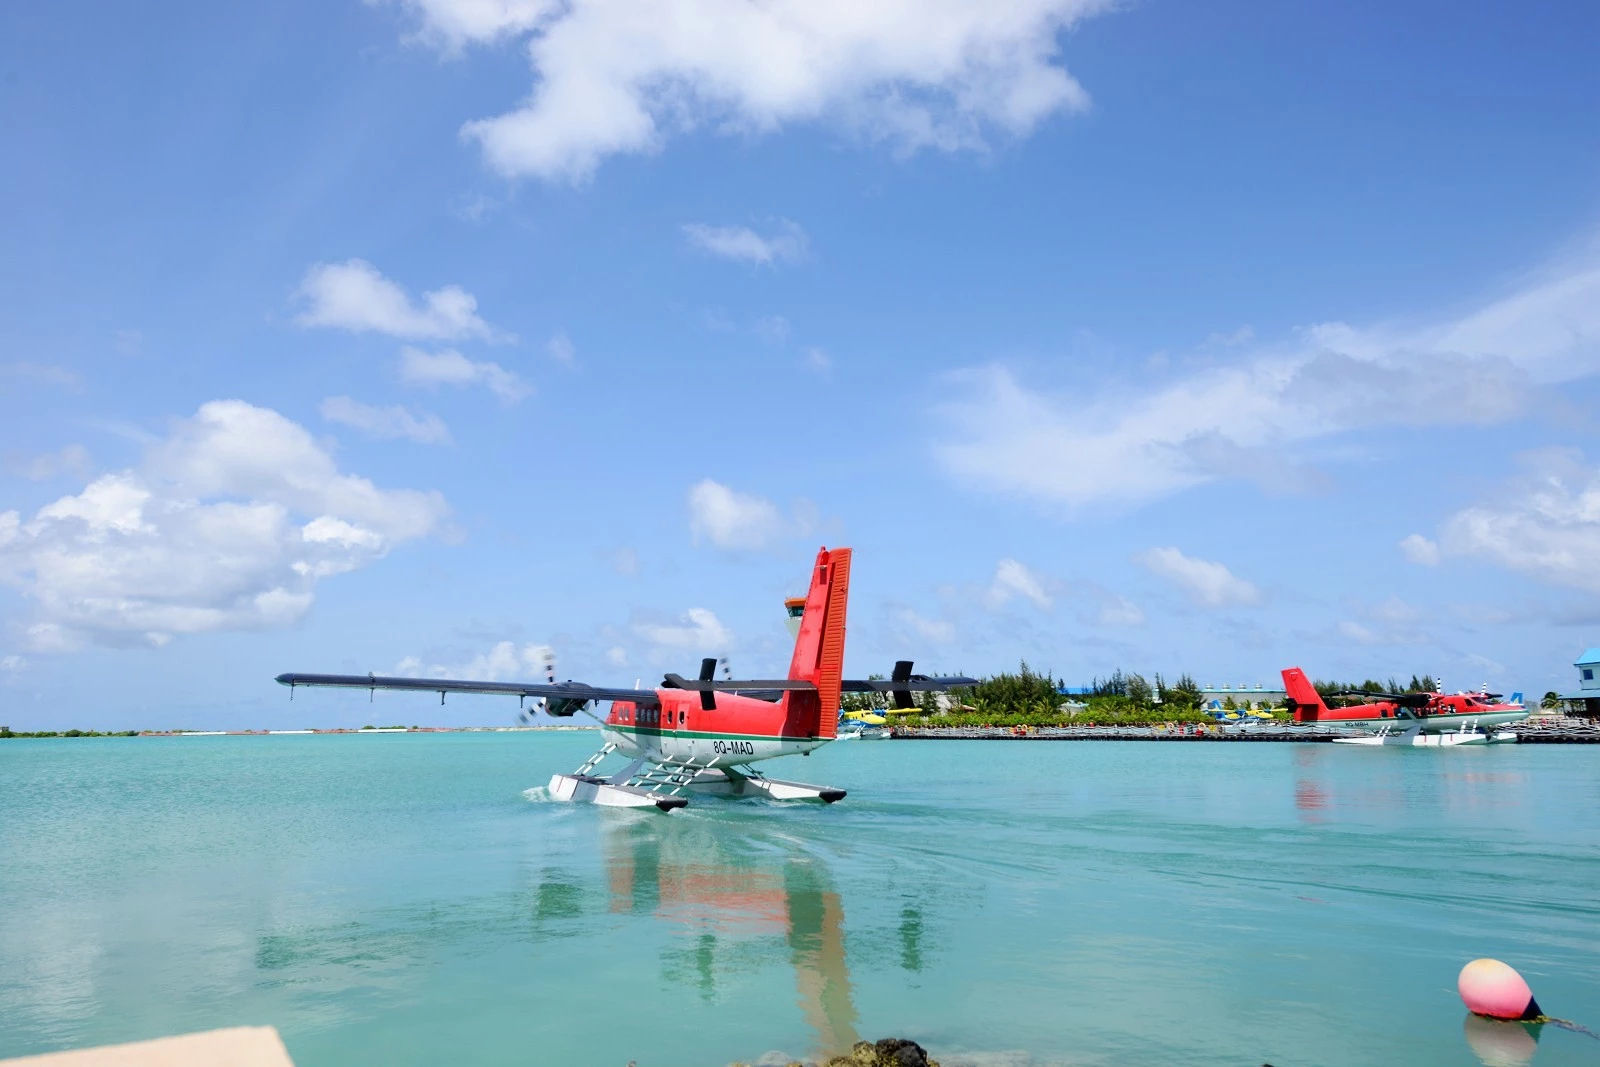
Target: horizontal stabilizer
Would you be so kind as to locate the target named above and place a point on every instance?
(737, 685)
(917, 684)
(901, 683)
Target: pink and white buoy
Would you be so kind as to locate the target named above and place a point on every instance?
(1494, 989)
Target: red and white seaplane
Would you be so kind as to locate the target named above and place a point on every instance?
(701, 735)
(1437, 720)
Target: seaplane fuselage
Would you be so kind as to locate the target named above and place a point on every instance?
(1414, 714)
(1436, 723)
(739, 730)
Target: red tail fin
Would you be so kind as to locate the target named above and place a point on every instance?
(819, 648)
(1303, 696)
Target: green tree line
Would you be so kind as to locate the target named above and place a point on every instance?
(6, 731)
(1030, 698)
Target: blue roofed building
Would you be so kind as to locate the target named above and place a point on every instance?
(1585, 700)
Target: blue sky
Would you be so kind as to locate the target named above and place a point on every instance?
(422, 335)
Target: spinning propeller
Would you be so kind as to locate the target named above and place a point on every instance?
(563, 707)
(550, 678)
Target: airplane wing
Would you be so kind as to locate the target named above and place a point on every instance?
(917, 683)
(565, 698)
(901, 684)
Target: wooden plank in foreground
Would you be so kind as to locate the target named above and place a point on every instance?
(239, 1046)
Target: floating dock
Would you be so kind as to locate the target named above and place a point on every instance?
(1111, 733)
(1538, 734)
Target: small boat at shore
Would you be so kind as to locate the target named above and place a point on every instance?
(863, 730)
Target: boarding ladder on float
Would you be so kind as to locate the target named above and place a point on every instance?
(670, 776)
(594, 761)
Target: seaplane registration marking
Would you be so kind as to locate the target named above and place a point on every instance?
(733, 748)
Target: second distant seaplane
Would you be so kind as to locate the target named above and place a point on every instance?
(1422, 719)
(701, 735)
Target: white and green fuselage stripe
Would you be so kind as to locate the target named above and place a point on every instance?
(1438, 724)
(708, 749)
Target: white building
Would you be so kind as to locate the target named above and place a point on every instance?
(1243, 696)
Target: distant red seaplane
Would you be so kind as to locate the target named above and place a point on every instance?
(1424, 719)
(701, 735)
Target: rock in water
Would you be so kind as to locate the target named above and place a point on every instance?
(889, 1052)
(899, 1052)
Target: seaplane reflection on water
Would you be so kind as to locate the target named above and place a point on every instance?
(736, 909)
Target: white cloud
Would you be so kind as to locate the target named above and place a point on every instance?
(698, 629)
(506, 661)
(787, 244)
(1244, 419)
(1242, 336)
(1419, 549)
(1546, 527)
(228, 523)
(1361, 635)
(13, 664)
(1119, 611)
(560, 349)
(733, 520)
(40, 374)
(1395, 611)
(624, 76)
(388, 423)
(773, 329)
(452, 24)
(354, 296)
(818, 360)
(1390, 622)
(939, 631)
(452, 368)
(1013, 579)
(71, 459)
(1206, 582)
(617, 656)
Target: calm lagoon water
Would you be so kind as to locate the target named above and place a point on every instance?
(416, 899)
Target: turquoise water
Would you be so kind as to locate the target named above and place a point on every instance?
(416, 899)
